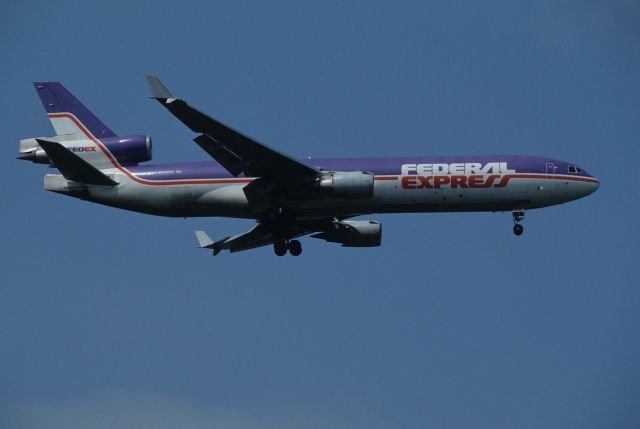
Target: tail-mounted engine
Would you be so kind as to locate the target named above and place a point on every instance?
(128, 150)
(346, 184)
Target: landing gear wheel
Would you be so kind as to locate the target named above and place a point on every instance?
(518, 229)
(295, 248)
(280, 248)
(518, 216)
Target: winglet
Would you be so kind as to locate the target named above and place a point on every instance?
(158, 90)
(204, 241)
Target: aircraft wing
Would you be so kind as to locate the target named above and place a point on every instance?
(232, 149)
(262, 234)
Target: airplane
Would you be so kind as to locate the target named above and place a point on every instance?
(287, 197)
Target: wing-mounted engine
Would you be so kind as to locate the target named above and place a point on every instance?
(353, 233)
(346, 184)
(130, 150)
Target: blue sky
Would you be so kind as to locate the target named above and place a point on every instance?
(110, 318)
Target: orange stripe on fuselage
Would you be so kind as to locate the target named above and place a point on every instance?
(133, 177)
(503, 182)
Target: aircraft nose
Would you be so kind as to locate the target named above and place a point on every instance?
(594, 184)
(582, 189)
(570, 190)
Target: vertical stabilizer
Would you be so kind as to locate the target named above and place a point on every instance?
(67, 114)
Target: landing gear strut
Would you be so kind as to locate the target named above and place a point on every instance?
(294, 247)
(518, 216)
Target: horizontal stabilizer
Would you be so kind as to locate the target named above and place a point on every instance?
(72, 167)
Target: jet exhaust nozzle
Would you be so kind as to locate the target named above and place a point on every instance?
(38, 156)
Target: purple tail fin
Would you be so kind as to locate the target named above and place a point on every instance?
(59, 102)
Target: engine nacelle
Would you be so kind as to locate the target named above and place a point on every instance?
(354, 233)
(347, 184)
(130, 150)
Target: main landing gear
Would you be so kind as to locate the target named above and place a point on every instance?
(518, 216)
(294, 247)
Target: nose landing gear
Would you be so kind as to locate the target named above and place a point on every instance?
(518, 216)
(294, 247)
(518, 229)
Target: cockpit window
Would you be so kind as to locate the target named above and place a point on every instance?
(574, 169)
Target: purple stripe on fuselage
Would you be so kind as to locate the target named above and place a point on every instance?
(378, 166)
